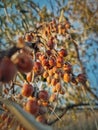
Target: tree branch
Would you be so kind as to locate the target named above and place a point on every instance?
(68, 108)
(9, 52)
(83, 69)
(26, 119)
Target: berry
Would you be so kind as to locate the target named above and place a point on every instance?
(24, 63)
(28, 38)
(43, 95)
(67, 67)
(66, 77)
(48, 79)
(45, 74)
(53, 98)
(58, 87)
(62, 53)
(59, 61)
(7, 70)
(81, 78)
(29, 76)
(27, 90)
(37, 67)
(52, 62)
(41, 119)
(32, 107)
(54, 81)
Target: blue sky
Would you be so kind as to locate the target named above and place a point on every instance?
(43, 3)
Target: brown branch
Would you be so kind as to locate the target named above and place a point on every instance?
(69, 107)
(9, 52)
(78, 57)
(90, 91)
(34, 6)
(83, 69)
(26, 119)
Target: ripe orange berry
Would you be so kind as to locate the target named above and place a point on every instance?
(37, 67)
(60, 29)
(45, 103)
(27, 90)
(48, 79)
(32, 107)
(67, 25)
(7, 70)
(41, 119)
(29, 76)
(24, 63)
(28, 38)
(53, 98)
(43, 57)
(45, 62)
(54, 81)
(59, 61)
(54, 89)
(55, 69)
(58, 87)
(62, 53)
(67, 67)
(56, 75)
(43, 95)
(50, 72)
(81, 78)
(66, 77)
(32, 98)
(45, 74)
(38, 55)
(52, 62)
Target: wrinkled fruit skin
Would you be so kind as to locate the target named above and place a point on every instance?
(37, 67)
(24, 63)
(27, 90)
(81, 78)
(7, 70)
(43, 95)
(32, 107)
(62, 53)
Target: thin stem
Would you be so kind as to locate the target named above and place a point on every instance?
(67, 108)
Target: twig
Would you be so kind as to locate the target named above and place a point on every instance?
(83, 69)
(26, 119)
(9, 52)
(66, 109)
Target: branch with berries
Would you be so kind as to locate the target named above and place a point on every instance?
(40, 68)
